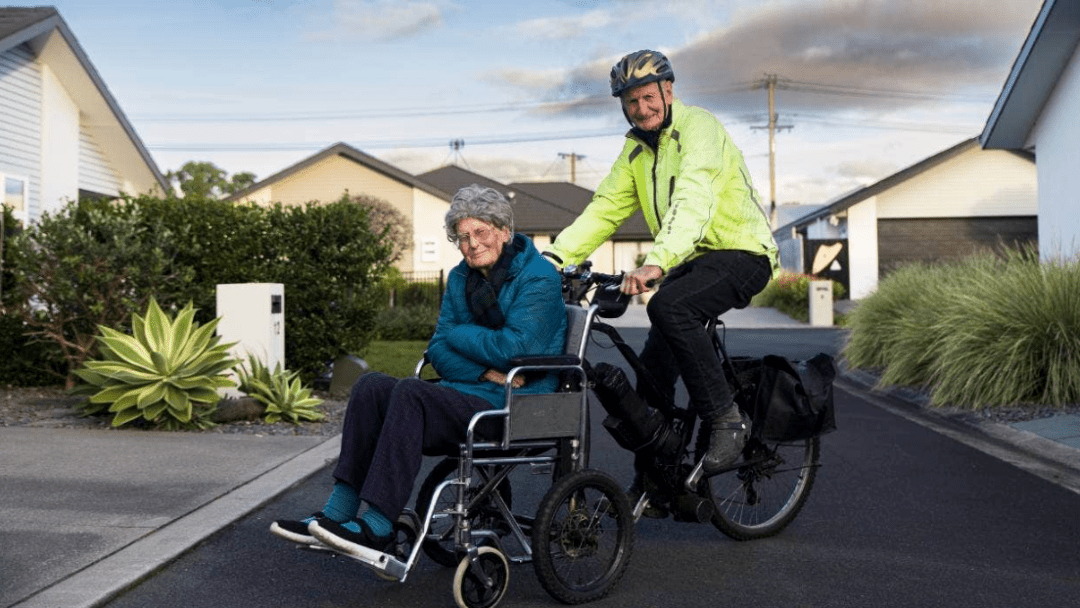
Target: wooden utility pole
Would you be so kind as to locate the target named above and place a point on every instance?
(770, 84)
(573, 164)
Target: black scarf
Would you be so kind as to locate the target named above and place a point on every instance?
(482, 293)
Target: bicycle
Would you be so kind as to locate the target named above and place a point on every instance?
(754, 498)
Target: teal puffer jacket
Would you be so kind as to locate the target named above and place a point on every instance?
(531, 300)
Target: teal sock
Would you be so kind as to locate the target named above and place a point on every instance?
(374, 519)
(343, 503)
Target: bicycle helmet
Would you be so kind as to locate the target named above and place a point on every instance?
(638, 68)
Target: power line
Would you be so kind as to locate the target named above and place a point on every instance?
(892, 125)
(850, 91)
(550, 106)
(378, 144)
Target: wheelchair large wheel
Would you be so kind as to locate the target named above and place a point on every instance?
(764, 495)
(483, 584)
(439, 543)
(582, 537)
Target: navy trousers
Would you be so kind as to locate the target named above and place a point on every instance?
(691, 294)
(390, 424)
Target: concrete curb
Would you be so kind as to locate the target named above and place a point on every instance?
(103, 580)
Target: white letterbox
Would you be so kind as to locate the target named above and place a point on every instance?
(253, 316)
(821, 306)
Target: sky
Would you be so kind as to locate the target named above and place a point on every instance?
(865, 88)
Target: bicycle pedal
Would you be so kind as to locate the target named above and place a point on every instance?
(544, 468)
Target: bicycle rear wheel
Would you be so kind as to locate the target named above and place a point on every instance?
(764, 495)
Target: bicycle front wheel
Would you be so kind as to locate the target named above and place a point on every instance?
(760, 498)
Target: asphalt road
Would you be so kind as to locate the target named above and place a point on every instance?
(899, 516)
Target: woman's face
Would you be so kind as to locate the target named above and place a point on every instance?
(480, 242)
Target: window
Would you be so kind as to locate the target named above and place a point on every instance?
(14, 195)
(429, 250)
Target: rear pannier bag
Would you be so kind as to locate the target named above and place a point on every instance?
(788, 401)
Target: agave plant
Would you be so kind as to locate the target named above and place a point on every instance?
(166, 372)
(281, 391)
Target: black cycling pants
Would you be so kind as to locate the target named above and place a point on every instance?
(692, 293)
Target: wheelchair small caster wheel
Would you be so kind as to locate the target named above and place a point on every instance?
(481, 583)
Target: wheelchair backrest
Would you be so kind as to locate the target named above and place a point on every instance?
(576, 325)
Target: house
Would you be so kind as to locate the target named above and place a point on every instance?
(62, 134)
(1037, 112)
(623, 251)
(791, 253)
(543, 209)
(339, 169)
(945, 207)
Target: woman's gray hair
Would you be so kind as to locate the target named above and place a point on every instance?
(485, 204)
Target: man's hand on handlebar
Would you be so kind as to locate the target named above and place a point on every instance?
(641, 280)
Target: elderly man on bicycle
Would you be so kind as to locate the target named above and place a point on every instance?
(712, 244)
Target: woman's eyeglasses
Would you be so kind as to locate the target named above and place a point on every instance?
(483, 235)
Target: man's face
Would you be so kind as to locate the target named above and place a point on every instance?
(645, 106)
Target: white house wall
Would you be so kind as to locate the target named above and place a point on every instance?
(431, 251)
(1057, 132)
(977, 183)
(59, 149)
(20, 122)
(95, 174)
(862, 248)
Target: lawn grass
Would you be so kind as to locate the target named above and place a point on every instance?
(395, 358)
(983, 332)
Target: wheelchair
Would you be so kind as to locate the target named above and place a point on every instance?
(580, 538)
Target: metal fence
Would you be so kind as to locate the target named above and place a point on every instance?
(419, 277)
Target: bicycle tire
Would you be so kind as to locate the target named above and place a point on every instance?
(582, 537)
(439, 544)
(760, 498)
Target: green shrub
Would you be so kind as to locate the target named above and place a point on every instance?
(396, 291)
(330, 263)
(166, 372)
(985, 331)
(407, 323)
(37, 363)
(92, 264)
(97, 262)
(790, 294)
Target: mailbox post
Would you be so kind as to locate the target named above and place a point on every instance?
(253, 316)
(821, 304)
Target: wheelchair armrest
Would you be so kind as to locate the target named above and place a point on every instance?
(545, 360)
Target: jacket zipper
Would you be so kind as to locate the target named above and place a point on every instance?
(655, 193)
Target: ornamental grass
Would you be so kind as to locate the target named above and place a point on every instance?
(982, 332)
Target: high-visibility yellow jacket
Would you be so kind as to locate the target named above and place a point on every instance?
(694, 191)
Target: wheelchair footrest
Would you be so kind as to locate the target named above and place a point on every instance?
(382, 562)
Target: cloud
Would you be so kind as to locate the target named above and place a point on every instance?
(380, 20)
(939, 49)
(564, 27)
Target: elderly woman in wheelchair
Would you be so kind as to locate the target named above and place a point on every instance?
(502, 301)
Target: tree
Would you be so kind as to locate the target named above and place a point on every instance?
(386, 222)
(205, 179)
